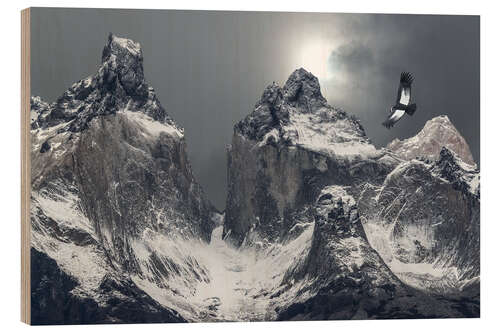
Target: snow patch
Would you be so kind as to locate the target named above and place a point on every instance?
(152, 127)
(240, 281)
(334, 138)
(430, 276)
(86, 263)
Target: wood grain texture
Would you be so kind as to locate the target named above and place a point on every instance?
(25, 166)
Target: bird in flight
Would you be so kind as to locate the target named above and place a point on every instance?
(402, 105)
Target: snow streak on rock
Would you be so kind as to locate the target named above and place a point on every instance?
(425, 223)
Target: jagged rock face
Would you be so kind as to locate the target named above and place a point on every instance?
(339, 244)
(343, 277)
(425, 222)
(437, 132)
(53, 300)
(118, 85)
(286, 150)
(128, 70)
(110, 175)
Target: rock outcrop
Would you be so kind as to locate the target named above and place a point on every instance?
(286, 150)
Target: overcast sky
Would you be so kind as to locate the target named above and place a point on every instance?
(209, 68)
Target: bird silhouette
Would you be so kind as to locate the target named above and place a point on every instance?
(403, 99)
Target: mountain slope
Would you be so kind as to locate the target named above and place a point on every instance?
(110, 175)
(425, 222)
(343, 277)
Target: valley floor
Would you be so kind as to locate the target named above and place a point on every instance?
(241, 282)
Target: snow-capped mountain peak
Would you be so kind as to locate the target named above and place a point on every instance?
(302, 90)
(122, 60)
(119, 85)
(298, 114)
(438, 132)
(116, 43)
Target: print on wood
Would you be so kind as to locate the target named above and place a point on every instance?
(310, 167)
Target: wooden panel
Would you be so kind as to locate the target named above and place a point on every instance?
(25, 167)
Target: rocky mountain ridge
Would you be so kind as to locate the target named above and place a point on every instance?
(421, 214)
(424, 220)
(110, 177)
(345, 278)
(319, 223)
(118, 85)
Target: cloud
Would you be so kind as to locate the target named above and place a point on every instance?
(353, 57)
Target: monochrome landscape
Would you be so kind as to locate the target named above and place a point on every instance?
(319, 222)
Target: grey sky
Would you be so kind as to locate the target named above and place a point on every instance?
(209, 68)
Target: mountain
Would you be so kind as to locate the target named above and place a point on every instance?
(343, 277)
(424, 220)
(400, 233)
(283, 153)
(437, 132)
(110, 177)
(319, 223)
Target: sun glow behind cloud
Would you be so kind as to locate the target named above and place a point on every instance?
(313, 55)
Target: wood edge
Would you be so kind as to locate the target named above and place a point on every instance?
(25, 167)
